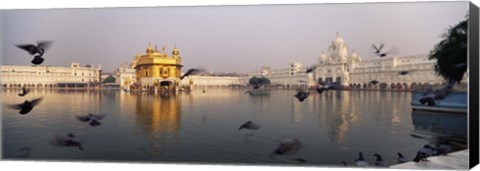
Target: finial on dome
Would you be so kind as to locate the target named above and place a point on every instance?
(156, 49)
(338, 34)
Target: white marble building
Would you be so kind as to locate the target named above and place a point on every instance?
(211, 81)
(351, 71)
(41, 76)
(293, 76)
(125, 75)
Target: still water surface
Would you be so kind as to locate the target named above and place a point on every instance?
(201, 127)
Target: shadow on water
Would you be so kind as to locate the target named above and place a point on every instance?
(441, 128)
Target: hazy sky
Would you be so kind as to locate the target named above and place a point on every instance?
(226, 38)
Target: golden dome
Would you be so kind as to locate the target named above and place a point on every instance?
(149, 49)
(175, 51)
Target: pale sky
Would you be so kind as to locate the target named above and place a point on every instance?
(226, 38)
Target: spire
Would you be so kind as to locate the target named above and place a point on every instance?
(156, 49)
(338, 34)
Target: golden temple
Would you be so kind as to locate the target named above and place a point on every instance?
(155, 70)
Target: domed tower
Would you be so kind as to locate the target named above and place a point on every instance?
(175, 52)
(323, 58)
(135, 60)
(338, 49)
(354, 58)
(150, 49)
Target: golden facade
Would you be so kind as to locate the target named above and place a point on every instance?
(156, 69)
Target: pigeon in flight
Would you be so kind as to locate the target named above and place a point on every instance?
(249, 125)
(374, 82)
(37, 50)
(92, 119)
(311, 69)
(361, 162)
(192, 71)
(403, 72)
(401, 158)
(378, 50)
(379, 161)
(302, 95)
(24, 91)
(67, 141)
(26, 106)
(288, 146)
(325, 86)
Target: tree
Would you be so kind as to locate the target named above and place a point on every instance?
(109, 79)
(451, 53)
(258, 82)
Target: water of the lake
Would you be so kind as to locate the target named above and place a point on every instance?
(201, 127)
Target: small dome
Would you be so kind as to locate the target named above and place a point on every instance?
(175, 51)
(353, 55)
(338, 41)
(323, 57)
(149, 49)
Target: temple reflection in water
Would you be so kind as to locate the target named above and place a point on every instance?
(158, 115)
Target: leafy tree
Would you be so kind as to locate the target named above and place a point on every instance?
(258, 82)
(109, 79)
(264, 81)
(451, 53)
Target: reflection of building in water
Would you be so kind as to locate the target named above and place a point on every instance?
(44, 76)
(342, 119)
(159, 116)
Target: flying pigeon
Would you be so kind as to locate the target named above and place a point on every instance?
(67, 141)
(378, 51)
(92, 119)
(37, 50)
(374, 82)
(403, 72)
(288, 146)
(24, 91)
(249, 125)
(311, 69)
(302, 95)
(192, 71)
(26, 106)
(325, 86)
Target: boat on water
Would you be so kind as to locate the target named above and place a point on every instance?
(455, 102)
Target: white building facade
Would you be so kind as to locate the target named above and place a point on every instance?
(125, 76)
(350, 71)
(40, 76)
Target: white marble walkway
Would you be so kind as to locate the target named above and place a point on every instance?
(453, 161)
